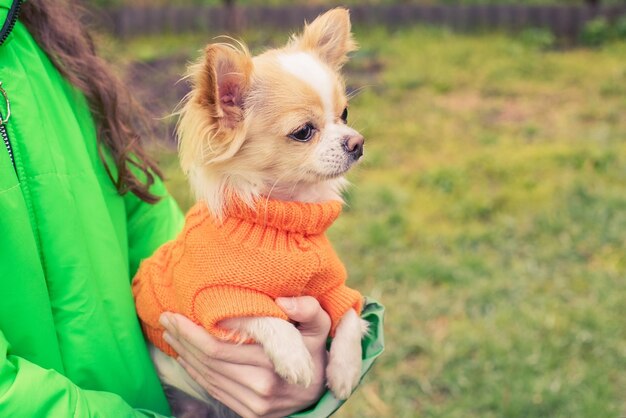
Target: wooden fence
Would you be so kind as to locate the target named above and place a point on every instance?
(563, 20)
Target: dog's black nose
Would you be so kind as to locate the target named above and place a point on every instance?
(354, 146)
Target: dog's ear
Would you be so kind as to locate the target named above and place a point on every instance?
(330, 37)
(223, 82)
(211, 128)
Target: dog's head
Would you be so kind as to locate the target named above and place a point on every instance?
(272, 125)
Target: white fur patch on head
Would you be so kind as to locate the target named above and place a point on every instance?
(310, 70)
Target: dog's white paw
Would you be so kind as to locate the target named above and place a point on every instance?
(293, 363)
(282, 343)
(344, 363)
(342, 374)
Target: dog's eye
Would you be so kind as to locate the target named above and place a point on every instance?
(344, 115)
(303, 134)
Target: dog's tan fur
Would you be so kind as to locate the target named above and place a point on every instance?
(244, 107)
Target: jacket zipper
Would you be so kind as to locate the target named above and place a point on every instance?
(3, 126)
(7, 27)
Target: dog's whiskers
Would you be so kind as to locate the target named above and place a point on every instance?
(358, 91)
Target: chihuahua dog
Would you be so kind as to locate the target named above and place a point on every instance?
(264, 142)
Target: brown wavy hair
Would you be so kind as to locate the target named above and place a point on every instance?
(56, 25)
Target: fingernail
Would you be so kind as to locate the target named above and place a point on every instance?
(287, 304)
(165, 320)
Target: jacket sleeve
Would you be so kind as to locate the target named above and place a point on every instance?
(27, 390)
(150, 225)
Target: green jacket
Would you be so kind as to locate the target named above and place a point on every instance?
(70, 341)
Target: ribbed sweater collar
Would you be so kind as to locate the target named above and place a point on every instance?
(297, 217)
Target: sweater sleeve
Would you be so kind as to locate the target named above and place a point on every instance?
(219, 303)
(329, 287)
(337, 301)
(27, 390)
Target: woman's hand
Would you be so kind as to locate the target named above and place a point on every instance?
(242, 376)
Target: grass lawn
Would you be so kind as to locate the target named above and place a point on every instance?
(489, 216)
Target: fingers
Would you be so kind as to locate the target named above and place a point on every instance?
(306, 310)
(260, 397)
(242, 376)
(196, 340)
(212, 386)
(259, 380)
(222, 380)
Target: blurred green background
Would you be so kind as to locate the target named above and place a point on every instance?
(488, 215)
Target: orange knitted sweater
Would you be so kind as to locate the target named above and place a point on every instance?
(218, 270)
